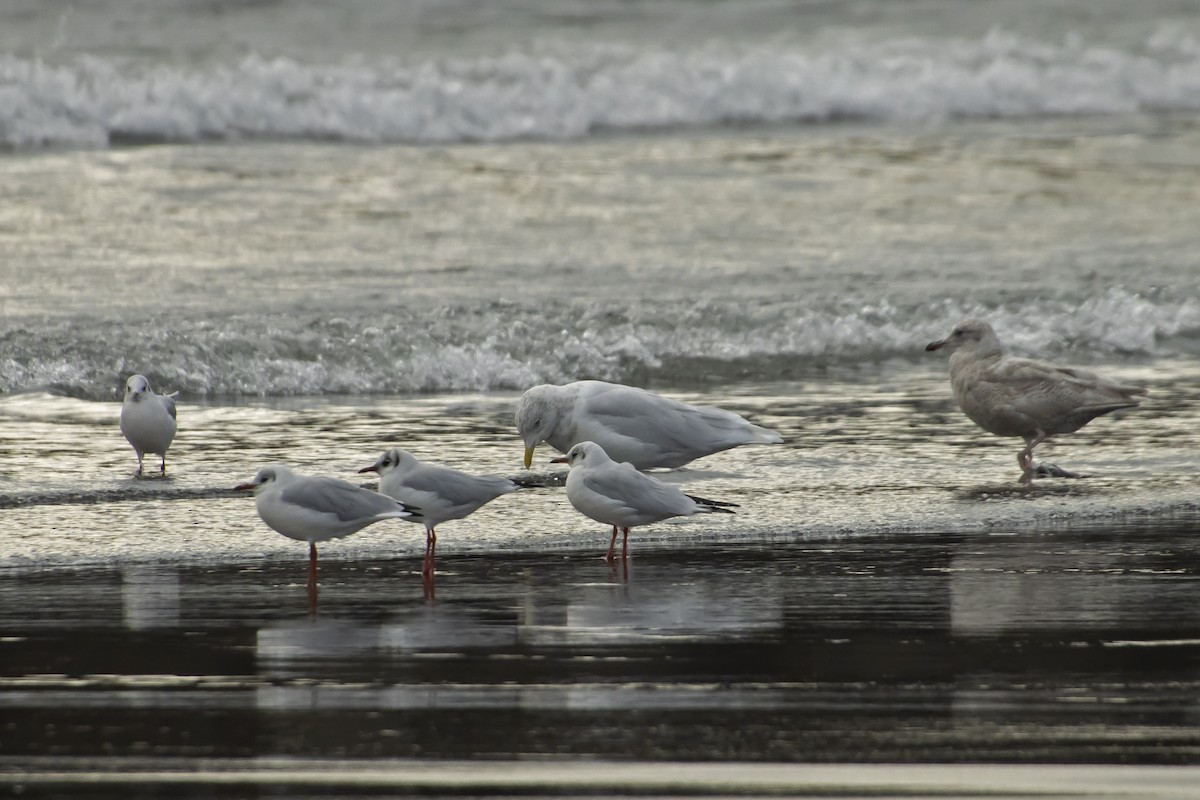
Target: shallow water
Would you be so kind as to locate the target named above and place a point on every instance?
(886, 593)
(857, 458)
(1050, 645)
(772, 209)
(715, 259)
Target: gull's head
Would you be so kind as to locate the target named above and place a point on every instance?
(136, 386)
(971, 335)
(583, 453)
(389, 461)
(266, 478)
(536, 418)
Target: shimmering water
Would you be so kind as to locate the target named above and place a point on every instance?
(857, 459)
(1063, 646)
(336, 228)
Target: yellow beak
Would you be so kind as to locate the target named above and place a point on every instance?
(528, 456)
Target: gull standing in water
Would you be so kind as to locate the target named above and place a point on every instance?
(1011, 396)
(618, 495)
(316, 509)
(440, 492)
(147, 420)
(631, 424)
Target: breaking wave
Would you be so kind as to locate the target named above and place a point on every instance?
(559, 93)
(507, 346)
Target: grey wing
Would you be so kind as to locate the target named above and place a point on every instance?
(639, 425)
(458, 488)
(168, 401)
(634, 492)
(345, 500)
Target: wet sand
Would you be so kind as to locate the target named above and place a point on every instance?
(1069, 647)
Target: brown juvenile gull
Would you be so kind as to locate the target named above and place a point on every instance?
(631, 424)
(1024, 397)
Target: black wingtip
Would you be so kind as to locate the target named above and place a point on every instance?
(535, 481)
(715, 505)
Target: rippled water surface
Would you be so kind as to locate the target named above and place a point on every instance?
(1065, 646)
(885, 593)
(336, 228)
(892, 455)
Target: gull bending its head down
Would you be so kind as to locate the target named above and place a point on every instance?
(618, 495)
(147, 420)
(1011, 396)
(631, 424)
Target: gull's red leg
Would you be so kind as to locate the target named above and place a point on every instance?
(611, 545)
(1025, 457)
(430, 552)
(312, 577)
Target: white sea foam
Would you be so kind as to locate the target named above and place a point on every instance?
(555, 92)
(393, 352)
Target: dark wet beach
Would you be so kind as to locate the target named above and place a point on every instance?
(1056, 646)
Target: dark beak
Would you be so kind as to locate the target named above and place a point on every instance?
(371, 468)
(938, 345)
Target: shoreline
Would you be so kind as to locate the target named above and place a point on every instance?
(626, 778)
(401, 542)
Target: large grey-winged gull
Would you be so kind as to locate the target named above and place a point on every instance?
(147, 420)
(316, 509)
(631, 424)
(618, 495)
(440, 492)
(1011, 396)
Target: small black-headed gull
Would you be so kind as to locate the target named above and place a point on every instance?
(147, 420)
(440, 492)
(631, 424)
(620, 496)
(316, 509)
(1011, 396)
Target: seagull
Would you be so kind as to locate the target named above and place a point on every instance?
(1011, 396)
(147, 420)
(316, 509)
(618, 495)
(630, 424)
(440, 492)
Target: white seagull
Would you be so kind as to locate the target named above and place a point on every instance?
(316, 509)
(147, 420)
(631, 424)
(441, 493)
(620, 496)
(1011, 396)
